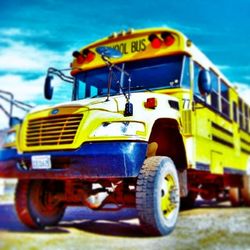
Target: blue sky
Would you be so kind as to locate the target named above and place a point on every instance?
(37, 34)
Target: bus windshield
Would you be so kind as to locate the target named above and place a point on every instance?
(150, 74)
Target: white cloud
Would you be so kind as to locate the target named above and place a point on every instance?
(21, 57)
(28, 91)
(10, 32)
(22, 89)
(17, 59)
(15, 32)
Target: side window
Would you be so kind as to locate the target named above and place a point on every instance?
(215, 91)
(246, 117)
(241, 113)
(225, 106)
(249, 120)
(235, 111)
(185, 80)
(197, 69)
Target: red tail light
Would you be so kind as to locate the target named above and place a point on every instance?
(79, 57)
(89, 55)
(85, 57)
(155, 41)
(168, 39)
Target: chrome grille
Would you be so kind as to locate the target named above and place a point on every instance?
(53, 130)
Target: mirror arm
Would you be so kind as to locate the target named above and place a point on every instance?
(60, 75)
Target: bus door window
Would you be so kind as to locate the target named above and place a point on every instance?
(81, 90)
(185, 78)
(214, 91)
(225, 106)
(93, 91)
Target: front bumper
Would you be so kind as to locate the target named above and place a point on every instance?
(117, 159)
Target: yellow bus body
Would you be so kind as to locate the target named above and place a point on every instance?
(200, 124)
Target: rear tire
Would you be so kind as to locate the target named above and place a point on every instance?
(234, 196)
(188, 201)
(157, 196)
(245, 191)
(34, 203)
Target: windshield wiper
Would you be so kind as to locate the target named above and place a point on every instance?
(107, 53)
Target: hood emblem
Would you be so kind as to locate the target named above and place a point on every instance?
(55, 111)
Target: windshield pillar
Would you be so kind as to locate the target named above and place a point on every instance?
(75, 92)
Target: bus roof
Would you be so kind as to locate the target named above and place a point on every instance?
(142, 44)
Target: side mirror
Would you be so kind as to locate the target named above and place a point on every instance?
(204, 82)
(48, 89)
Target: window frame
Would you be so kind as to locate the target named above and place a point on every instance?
(208, 102)
(225, 101)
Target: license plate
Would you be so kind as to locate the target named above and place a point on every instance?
(41, 162)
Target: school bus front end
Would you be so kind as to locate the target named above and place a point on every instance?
(89, 141)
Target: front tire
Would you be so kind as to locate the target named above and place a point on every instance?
(35, 205)
(157, 196)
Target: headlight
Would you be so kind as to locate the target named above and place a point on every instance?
(119, 129)
(10, 138)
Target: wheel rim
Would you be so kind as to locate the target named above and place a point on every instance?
(42, 204)
(169, 198)
(42, 200)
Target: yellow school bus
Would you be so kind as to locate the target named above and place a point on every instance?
(151, 125)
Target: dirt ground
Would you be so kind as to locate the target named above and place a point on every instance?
(217, 226)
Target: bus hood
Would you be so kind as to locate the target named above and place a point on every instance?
(100, 103)
(115, 104)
